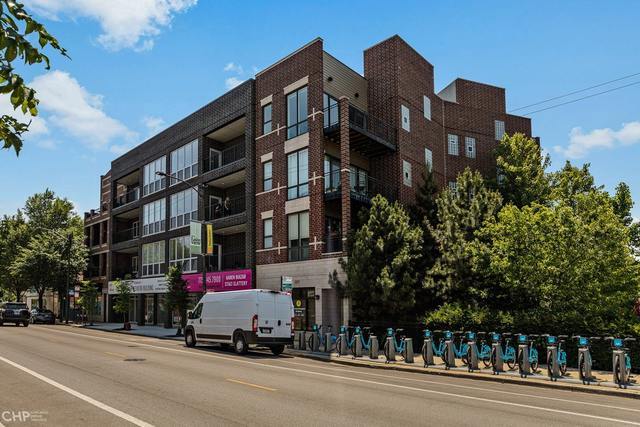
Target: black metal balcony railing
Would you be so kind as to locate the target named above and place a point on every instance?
(363, 187)
(360, 121)
(227, 207)
(333, 243)
(224, 157)
(128, 197)
(124, 272)
(125, 235)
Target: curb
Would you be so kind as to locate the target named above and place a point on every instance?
(532, 382)
(115, 331)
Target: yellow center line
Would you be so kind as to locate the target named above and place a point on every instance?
(114, 354)
(261, 387)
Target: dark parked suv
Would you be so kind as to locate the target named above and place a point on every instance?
(14, 312)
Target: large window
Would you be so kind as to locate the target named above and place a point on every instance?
(266, 119)
(298, 174)
(331, 174)
(267, 176)
(428, 159)
(297, 113)
(151, 181)
(359, 180)
(331, 110)
(267, 227)
(499, 125)
(453, 145)
(153, 259)
(184, 162)
(184, 208)
(180, 254)
(154, 217)
(299, 236)
(470, 147)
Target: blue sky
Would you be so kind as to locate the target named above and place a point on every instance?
(138, 66)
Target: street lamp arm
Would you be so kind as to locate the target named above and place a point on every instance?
(193, 187)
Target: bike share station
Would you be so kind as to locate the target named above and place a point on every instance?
(442, 350)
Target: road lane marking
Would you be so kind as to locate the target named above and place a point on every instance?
(377, 383)
(261, 387)
(468, 387)
(90, 400)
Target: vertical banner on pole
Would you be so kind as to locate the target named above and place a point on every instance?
(209, 239)
(195, 230)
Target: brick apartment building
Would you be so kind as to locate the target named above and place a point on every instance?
(320, 141)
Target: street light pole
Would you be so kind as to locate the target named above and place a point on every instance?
(201, 195)
(69, 243)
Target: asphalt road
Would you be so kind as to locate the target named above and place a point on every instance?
(68, 376)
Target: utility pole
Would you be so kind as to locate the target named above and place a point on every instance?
(68, 300)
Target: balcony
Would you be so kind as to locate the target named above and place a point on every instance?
(367, 134)
(227, 213)
(130, 196)
(234, 260)
(363, 187)
(333, 243)
(220, 159)
(126, 235)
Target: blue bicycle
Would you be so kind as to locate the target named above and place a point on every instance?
(461, 351)
(399, 345)
(438, 350)
(320, 338)
(344, 331)
(364, 340)
(621, 360)
(483, 353)
(508, 353)
(533, 352)
(561, 357)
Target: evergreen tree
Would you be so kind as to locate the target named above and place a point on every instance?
(382, 280)
(522, 177)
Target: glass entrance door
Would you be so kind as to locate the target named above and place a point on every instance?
(304, 308)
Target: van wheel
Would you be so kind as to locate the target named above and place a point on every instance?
(240, 344)
(277, 349)
(26, 324)
(190, 338)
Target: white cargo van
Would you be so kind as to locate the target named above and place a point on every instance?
(242, 318)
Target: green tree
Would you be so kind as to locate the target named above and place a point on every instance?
(461, 213)
(522, 177)
(622, 203)
(17, 32)
(571, 181)
(382, 280)
(426, 207)
(566, 267)
(88, 299)
(177, 296)
(14, 235)
(123, 299)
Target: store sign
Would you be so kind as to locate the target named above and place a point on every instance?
(150, 285)
(195, 230)
(286, 283)
(218, 281)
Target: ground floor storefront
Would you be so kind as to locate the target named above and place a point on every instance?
(315, 301)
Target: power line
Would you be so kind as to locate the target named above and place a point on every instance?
(574, 92)
(580, 99)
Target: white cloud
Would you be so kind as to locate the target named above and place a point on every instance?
(232, 82)
(77, 112)
(154, 124)
(233, 67)
(580, 143)
(125, 23)
(47, 144)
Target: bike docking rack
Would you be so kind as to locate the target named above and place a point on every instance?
(474, 355)
(360, 343)
(427, 348)
(449, 355)
(556, 357)
(343, 342)
(621, 361)
(524, 356)
(585, 362)
(402, 347)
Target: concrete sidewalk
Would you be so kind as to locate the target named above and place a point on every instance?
(145, 331)
(602, 383)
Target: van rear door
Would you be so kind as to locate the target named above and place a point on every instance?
(266, 314)
(284, 315)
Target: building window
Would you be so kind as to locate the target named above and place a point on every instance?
(453, 185)
(499, 125)
(406, 173)
(359, 181)
(153, 259)
(151, 181)
(428, 159)
(267, 227)
(266, 119)
(134, 266)
(180, 254)
(406, 120)
(331, 174)
(426, 103)
(470, 147)
(299, 236)
(154, 217)
(298, 174)
(297, 113)
(184, 162)
(267, 176)
(453, 145)
(331, 110)
(184, 208)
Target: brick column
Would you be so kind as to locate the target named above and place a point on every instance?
(345, 163)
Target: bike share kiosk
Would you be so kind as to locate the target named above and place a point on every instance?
(427, 348)
(553, 368)
(472, 352)
(374, 347)
(449, 356)
(524, 365)
(497, 359)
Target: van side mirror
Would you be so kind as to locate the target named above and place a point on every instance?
(190, 314)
